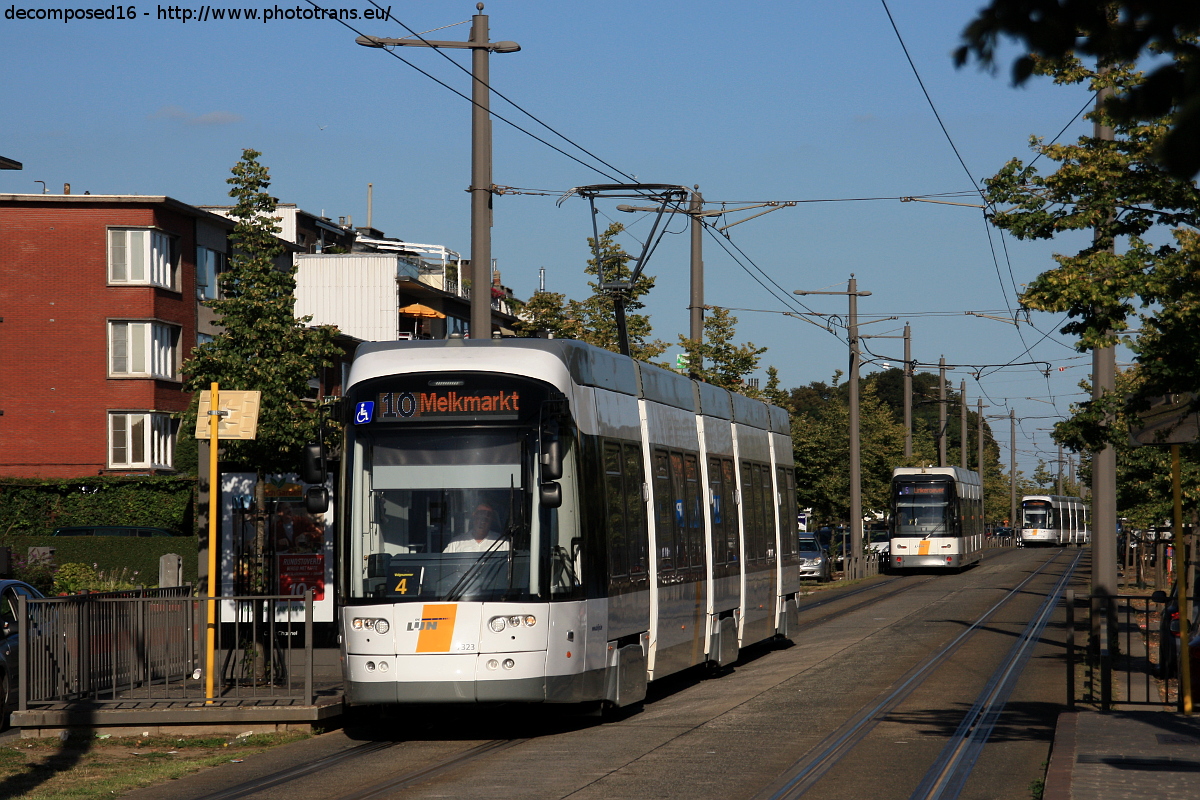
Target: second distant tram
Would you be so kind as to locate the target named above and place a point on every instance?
(1051, 519)
(936, 518)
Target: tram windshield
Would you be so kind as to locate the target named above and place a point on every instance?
(923, 509)
(443, 515)
(1036, 514)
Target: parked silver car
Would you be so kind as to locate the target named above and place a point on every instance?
(814, 561)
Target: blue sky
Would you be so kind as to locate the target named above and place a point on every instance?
(757, 101)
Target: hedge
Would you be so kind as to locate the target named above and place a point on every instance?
(111, 554)
(30, 507)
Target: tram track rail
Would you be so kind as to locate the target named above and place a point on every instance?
(811, 768)
(948, 775)
(262, 783)
(450, 763)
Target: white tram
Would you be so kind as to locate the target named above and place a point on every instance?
(546, 521)
(936, 517)
(1051, 519)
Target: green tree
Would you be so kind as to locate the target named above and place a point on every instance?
(594, 320)
(1109, 31)
(723, 363)
(1116, 189)
(263, 346)
(821, 448)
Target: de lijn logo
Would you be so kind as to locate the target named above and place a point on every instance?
(364, 412)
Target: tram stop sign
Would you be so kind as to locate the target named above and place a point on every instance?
(1171, 419)
(240, 420)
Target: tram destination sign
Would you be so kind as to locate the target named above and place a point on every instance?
(446, 404)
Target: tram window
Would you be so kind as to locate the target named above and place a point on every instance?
(719, 509)
(635, 512)
(787, 511)
(729, 478)
(695, 521)
(664, 502)
(614, 491)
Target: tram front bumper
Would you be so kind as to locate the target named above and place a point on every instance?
(914, 562)
(445, 678)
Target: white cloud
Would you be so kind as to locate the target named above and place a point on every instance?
(211, 118)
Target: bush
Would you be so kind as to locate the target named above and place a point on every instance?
(74, 578)
(37, 572)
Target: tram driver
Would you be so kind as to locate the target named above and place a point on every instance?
(482, 533)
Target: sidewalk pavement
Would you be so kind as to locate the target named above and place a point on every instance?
(1124, 755)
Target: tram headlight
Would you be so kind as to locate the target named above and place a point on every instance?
(370, 665)
(509, 663)
(370, 624)
(498, 624)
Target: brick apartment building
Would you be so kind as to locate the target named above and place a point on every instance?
(100, 302)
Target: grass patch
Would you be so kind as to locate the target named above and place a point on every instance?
(84, 768)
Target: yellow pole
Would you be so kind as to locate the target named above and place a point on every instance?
(1185, 655)
(214, 496)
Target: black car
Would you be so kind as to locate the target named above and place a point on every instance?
(10, 594)
(1168, 632)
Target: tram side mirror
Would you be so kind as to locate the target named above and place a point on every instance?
(312, 463)
(552, 466)
(1158, 597)
(377, 565)
(550, 494)
(316, 500)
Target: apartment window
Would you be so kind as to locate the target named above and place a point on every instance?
(140, 440)
(142, 256)
(209, 266)
(144, 349)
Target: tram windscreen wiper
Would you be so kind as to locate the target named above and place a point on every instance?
(463, 582)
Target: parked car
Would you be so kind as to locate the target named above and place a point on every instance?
(10, 593)
(814, 561)
(1168, 634)
(111, 530)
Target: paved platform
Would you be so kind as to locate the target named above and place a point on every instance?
(184, 710)
(1125, 755)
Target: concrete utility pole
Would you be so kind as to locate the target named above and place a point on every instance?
(942, 411)
(1060, 470)
(979, 453)
(696, 300)
(856, 534)
(1104, 462)
(908, 376)
(481, 188)
(962, 438)
(1012, 469)
(696, 211)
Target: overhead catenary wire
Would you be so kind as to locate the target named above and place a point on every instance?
(503, 119)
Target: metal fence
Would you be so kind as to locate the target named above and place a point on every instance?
(150, 645)
(1121, 652)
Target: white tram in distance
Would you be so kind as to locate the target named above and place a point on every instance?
(1051, 519)
(532, 520)
(936, 518)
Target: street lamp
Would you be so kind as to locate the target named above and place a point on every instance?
(481, 158)
(855, 442)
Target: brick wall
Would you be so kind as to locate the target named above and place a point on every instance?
(55, 301)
